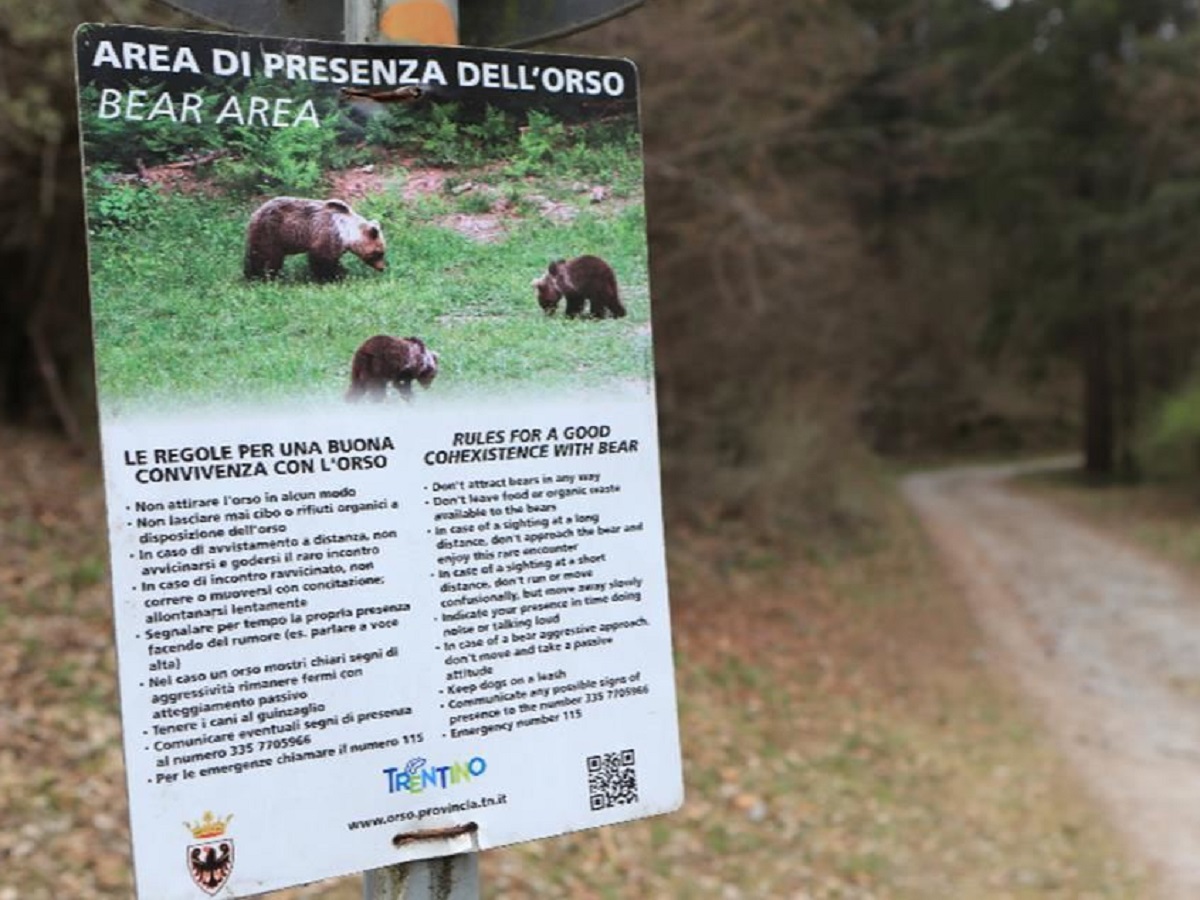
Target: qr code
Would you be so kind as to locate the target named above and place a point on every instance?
(612, 779)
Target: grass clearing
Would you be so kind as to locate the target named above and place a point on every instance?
(843, 736)
(174, 319)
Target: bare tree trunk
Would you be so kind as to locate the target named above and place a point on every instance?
(1099, 389)
(1127, 392)
(1098, 449)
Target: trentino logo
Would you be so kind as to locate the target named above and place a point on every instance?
(418, 775)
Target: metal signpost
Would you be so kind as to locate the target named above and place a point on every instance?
(455, 875)
(483, 23)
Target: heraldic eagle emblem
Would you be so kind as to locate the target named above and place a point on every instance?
(210, 861)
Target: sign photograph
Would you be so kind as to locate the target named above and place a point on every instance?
(374, 362)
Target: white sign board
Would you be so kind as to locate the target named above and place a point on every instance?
(351, 609)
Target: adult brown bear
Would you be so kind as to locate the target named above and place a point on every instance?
(384, 360)
(582, 279)
(324, 229)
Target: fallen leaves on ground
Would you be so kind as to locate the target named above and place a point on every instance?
(843, 737)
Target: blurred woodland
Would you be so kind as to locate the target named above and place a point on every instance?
(880, 230)
(907, 228)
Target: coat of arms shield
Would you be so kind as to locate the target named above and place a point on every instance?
(210, 862)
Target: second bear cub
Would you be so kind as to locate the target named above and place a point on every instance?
(582, 279)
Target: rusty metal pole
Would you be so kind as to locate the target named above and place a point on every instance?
(447, 878)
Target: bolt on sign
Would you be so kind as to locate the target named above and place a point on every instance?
(375, 375)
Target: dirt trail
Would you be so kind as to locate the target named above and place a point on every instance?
(1106, 638)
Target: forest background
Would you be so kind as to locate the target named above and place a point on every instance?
(881, 231)
(931, 227)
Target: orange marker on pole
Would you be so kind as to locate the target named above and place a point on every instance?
(402, 21)
(420, 22)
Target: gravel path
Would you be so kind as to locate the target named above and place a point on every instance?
(1104, 637)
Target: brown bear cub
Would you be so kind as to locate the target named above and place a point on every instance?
(384, 360)
(324, 229)
(584, 278)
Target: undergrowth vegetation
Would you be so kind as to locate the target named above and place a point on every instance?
(1171, 442)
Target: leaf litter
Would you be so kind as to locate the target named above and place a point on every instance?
(842, 736)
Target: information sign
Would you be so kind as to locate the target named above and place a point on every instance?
(374, 365)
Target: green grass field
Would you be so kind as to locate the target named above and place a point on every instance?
(176, 322)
